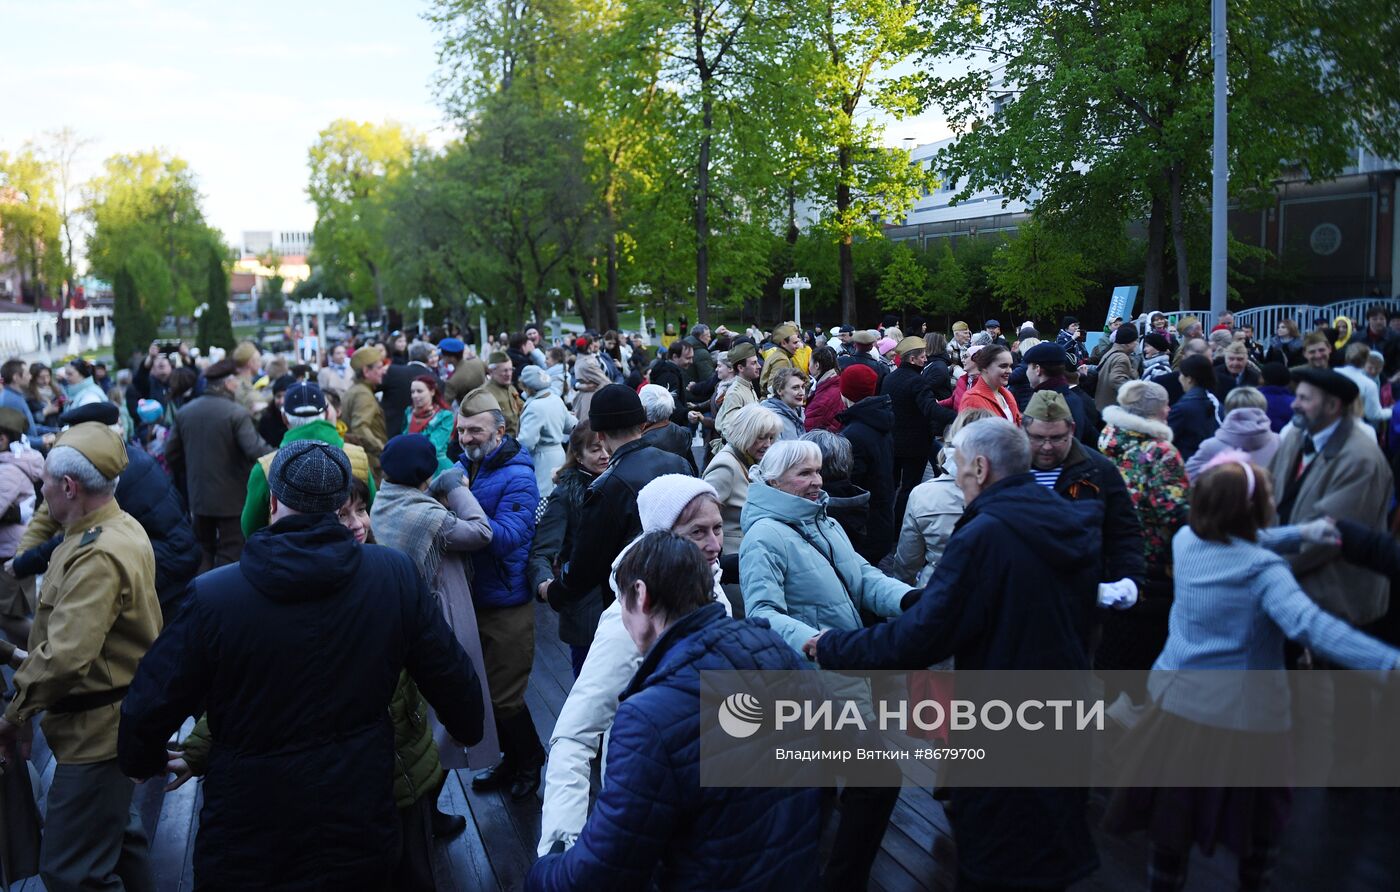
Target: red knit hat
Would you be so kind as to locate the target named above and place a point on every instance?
(858, 382)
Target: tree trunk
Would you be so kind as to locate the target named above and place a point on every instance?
(538, 306)
(1156, 249)
(702, 208)
(584, 310)
(608, 311)
(1183, 275)
(844, 256)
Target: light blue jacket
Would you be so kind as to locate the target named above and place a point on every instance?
(798, 570)
(1234, 606)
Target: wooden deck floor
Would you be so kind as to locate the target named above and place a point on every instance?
(1340, 840)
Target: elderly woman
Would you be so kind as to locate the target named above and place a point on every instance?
(754, 429)
(557, 522)
(660, 431)
(791, 554)
(1236, 603)
(1137, 439)
(544, 426)
(1246, 427)
(789, 388)
(689, 508)
(846, 503)
(437, 525)
(589, 375)
(934, 509)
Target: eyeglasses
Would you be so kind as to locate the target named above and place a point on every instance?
(1037, 442)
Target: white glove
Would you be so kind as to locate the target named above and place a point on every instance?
(1320, 532)
(1119, 595)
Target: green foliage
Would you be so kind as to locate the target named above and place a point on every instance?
(949, 285)
(905, 281)
(215, 325)
(1038, 272)
(133, 328)
(31, 223)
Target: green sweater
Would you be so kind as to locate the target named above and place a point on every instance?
(255, 507)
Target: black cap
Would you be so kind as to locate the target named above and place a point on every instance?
(282, 383)
(1159, 342)
(616, 407)
(102, 413)
(1046, 353)
(1126, 334)
(1067, 321)
(1328, 381)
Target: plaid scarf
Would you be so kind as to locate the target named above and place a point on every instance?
(410, 520)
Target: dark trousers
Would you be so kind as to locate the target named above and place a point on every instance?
(415, 870)
(93, 838)
(909, 473)
(220, 540)
(577, 654)
(865, 813)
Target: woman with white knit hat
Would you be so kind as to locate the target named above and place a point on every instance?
(688, 507)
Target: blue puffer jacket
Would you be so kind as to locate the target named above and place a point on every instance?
(504, 484)
(653, 822)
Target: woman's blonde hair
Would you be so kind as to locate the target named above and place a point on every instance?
(1245, 398)
(750, 423)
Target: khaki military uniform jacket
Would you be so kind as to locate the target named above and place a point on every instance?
(364, 422)
(98, 614)
(777, 358)
(739, 395)
(511, 404)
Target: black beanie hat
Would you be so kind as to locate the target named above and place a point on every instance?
(1126, 334)
(616, 407)
(409, 459)
(1158, 342)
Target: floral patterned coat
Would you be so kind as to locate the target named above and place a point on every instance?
(1155, 475)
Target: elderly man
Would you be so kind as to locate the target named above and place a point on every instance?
(98, 616)
(979, 609)
(993, 328)
(503, 480)
(703, 366)
(295, 655)
(500, 372)
(743, 358)
(1117, 367)
(212, 447)
(1060, 463)
(307, 417)
(864, 342)
(360, 410)
(789, 341)
(660, 431)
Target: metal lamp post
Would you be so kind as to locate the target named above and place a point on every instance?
(422, 302)
(797, 284)
(1220, 186)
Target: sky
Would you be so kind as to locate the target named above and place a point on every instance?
(240, 91)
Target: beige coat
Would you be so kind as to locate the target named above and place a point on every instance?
(730, 478)
(466, 377)
(99, 601)
(1348, 480)
(739, 395)
(1117, 368)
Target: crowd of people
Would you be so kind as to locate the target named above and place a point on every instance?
(313, 581)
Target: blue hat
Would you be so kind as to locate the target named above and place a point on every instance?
(452, 345)
(409, 459)
(304, 400)
(1046, 353)
(992, 323)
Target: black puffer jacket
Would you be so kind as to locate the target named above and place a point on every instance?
(867, 425)
(295, 653)
(610, 520)
(1086, 474)
(556, 526)
(939, 376)
(918, 418)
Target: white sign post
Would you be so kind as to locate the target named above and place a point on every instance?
(422, 302)
(797, 284)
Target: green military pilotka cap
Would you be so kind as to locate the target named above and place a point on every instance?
(478, 401)
(99, 444)
(1047, 405)
(740, 352)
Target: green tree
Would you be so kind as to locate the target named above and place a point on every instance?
(1037, 271)
(215, 325)
(352, 167)
(147, 219)
(905, 281)
(1106, 109)
(31, 224)
(133, 329)
(949, 286)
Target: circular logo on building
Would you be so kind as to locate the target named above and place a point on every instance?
(740, 715)
(1326, 239)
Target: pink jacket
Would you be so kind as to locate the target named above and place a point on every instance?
(19, 472)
